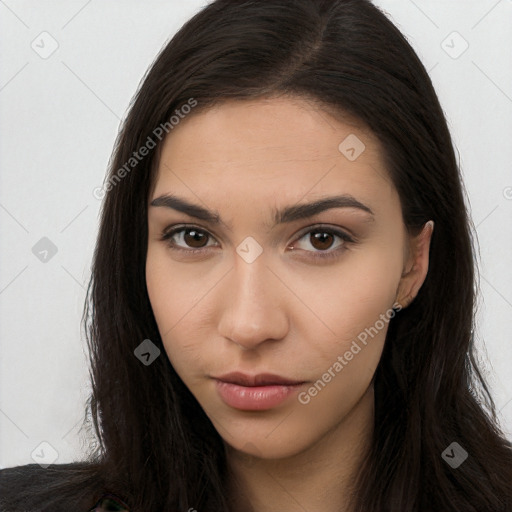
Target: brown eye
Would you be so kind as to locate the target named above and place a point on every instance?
(189, 239)
(322, 243)
(194, 238)
(321, 240)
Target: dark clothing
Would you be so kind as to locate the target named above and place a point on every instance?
(110, 503)
(70, 487)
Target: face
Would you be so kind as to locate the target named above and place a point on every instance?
(276, 252)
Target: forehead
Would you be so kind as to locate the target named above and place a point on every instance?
(279, 127)
(255, 147)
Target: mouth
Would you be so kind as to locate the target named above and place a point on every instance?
(255, 392)
(262, 379)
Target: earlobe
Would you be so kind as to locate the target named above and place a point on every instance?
(413, 278)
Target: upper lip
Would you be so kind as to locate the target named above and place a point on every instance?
(261, 379)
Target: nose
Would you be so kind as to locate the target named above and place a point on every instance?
(253, 305)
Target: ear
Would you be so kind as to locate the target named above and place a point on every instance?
(416, 265)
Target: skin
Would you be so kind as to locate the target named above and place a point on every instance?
(285, 313)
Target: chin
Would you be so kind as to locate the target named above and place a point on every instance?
(268, 444)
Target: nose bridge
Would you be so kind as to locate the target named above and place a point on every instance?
(253, 312)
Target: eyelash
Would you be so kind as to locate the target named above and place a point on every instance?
(167, 235)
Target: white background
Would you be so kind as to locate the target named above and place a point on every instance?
(59, 119)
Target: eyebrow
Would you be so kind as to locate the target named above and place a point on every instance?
(285, 215)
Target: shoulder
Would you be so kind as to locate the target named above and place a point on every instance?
(76, 486)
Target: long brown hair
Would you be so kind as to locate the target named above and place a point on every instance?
(157, 448)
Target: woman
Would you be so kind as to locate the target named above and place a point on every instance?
(281, 308)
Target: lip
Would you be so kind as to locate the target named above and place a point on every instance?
(261, 379)
(255, 392)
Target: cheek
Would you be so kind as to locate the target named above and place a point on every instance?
(353, 297)
(174, 291)
(356, 305)
(178, 297)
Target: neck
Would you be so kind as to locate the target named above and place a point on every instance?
(318, 478)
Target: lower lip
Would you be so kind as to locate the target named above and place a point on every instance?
(254, 398)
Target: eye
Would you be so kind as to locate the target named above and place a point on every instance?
(186, 238)
(326, 242)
